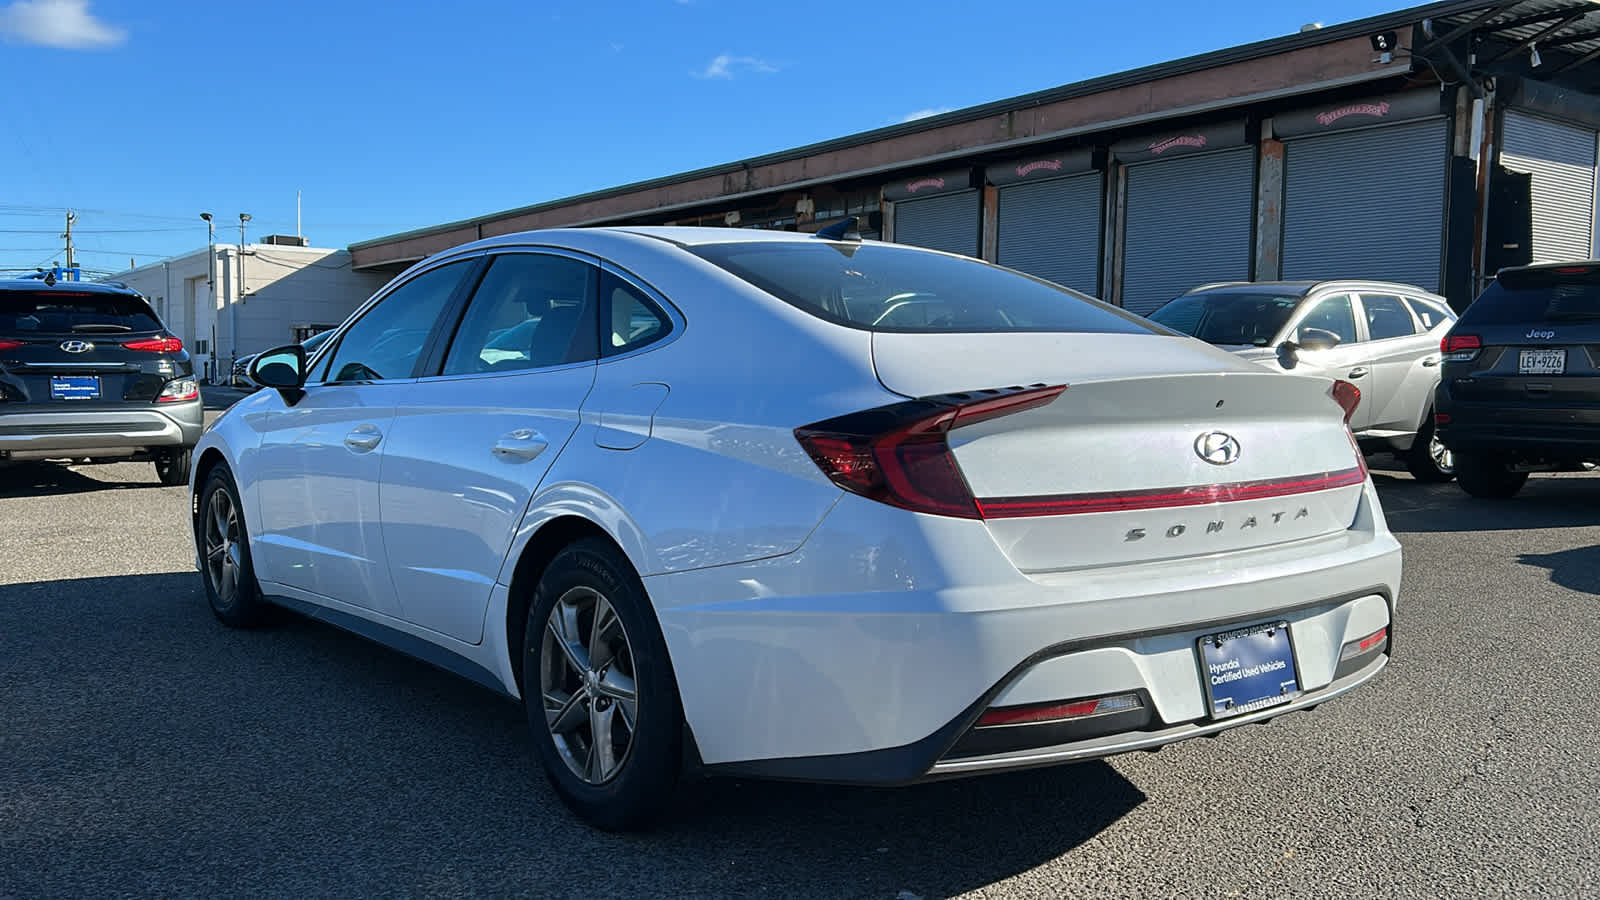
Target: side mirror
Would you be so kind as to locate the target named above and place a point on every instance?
(283, 368)
(1288, 354)
(1317, 339)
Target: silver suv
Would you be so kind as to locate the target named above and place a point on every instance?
(1380, 336)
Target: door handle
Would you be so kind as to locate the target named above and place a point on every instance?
(1358, 371)
(521, 445)
(363, 438)
(1430, 360)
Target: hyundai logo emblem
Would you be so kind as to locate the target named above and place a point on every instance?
(76, 346)
(1217, 447)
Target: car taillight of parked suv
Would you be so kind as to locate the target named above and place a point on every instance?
(1519, 390)
(89, 373)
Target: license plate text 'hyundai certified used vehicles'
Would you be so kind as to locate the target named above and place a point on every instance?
(776, 505)
(89, 373)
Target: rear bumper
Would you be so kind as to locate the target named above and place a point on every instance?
(1510, 431)
(100, 432)
(868, 655)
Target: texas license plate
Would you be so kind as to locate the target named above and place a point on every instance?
(1248, 669)
(75, 387)
(1542, 362)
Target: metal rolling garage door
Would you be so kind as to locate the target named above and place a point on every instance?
(1188, 221)
(945, 222)
(1051, 229)
(1366, 204)
(1561, 159)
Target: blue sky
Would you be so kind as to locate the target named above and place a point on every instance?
(400, 115)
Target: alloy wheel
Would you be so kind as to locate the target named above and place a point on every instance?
(222, 553)
(1443, 459)
(587, 685)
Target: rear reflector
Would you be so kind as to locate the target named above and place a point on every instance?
(1573, 270)
(1441, 418)
(1373, 641)
(156, 345)
(10, 345)
(1058, 712)
(1165, 498)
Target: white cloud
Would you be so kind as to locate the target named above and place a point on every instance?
(727, 65)
(57, 23)
(924, 113)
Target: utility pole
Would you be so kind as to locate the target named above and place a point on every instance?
(72, 217)
(211, 294)
(233, 317)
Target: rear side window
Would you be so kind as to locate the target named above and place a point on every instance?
(635, 321)
(1535, 297)
(69, 312)
(885, 288)
(1387, 317)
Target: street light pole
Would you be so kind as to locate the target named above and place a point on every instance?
(238, 298)
(211, 288)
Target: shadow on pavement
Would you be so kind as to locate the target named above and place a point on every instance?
(35, 479)
(150, 750)
(1546, 502)
(1577, 569)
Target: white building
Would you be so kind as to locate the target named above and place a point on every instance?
(290, 293)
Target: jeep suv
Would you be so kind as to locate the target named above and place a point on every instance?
(89, 373)
(1520, 384)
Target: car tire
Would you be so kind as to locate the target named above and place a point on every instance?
(575, 694)
(226, 567)
(1487, 476)
(172, 468)
(1429, 460)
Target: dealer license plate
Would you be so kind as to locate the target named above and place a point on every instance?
(1248, 669)
(1542, 362)
(75, 387)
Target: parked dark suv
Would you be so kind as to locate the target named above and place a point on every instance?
(88, 372)
(1519, 389)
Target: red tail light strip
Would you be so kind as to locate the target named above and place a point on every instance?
(1166, 498)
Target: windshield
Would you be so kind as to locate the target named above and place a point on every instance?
(1534, 297)
(70, 312)
(886, 288)
(1229, 317)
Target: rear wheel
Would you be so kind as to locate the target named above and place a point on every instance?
(1429, 459)
(172, 468)
(601, 699)
(1488, 476)
(225, 563)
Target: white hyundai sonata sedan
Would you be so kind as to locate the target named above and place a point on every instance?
(728, 502)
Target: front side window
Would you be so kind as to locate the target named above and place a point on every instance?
(1387, 317)
(1333, 315)
(635, 321)
(886, 288)
(532, 310)
(1229, 318)
(386, 342)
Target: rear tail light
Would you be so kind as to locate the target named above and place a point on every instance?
(156, 345)
(1348, 396)
(1058, 711)
(1460, 347)
(10, 345)
(179, 390)
(900, 455)
(1373, 642)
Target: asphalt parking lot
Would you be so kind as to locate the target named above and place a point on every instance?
(145, 749)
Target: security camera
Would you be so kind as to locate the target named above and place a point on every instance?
(1384, 42)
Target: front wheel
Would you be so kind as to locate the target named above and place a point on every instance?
(225, 562)
(598, 686)
(1487, 476)
(1429, 459)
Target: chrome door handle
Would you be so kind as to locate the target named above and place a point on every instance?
(1430, 361)
(1358, 371)
(363, 438)
(523, 444)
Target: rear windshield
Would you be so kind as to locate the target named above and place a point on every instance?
(67, 312)
(898, 289)
(1534, 298)
(1229, 317)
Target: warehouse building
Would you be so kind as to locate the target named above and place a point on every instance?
(1431, 146)
(276, 292)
